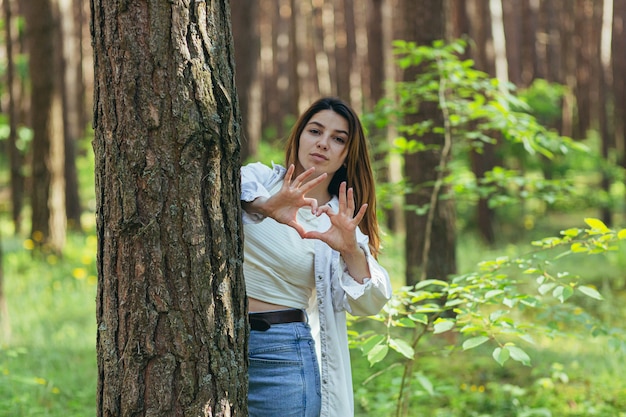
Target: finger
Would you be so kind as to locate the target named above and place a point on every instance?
(313, 183)
(359, 216)
(325, 209)
(300, 178)
(351, 202)
(311, 202)
(312, 235)
(288, 175)
(298, 227)
(342, 195)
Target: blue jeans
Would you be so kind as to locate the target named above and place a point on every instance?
(283, 375)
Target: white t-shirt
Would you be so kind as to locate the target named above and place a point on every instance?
(278, 264)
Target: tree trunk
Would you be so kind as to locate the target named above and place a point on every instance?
(377, 63)
(5, 324)
(171, 305)
(529, 44)
(605, 100)
(345, 46)
(514, 39)
(85, 97)
(552, 31)
(71, 90)
(484, 160)
(584, 53)
(430, 245)
(48, 189)
(16, 158)
(568, 54)
(247, 47)
(619, 83)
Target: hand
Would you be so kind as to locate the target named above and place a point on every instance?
(283, 206)
(341, 235)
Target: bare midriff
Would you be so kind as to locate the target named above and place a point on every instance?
(255, 306)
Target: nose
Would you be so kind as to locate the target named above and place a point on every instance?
(322, 143)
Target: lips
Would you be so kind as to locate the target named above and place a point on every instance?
(319, 156)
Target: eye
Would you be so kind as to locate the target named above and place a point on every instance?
(340, 139)
(314, 131)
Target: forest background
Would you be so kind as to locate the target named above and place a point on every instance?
(500, 165)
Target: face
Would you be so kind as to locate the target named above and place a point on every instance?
(323, 143)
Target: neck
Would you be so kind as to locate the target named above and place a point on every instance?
(321, 197)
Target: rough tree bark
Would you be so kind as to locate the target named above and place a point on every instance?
(171, 308)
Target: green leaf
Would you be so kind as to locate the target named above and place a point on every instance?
(405, 322)
(377, 354)
(528, 338)
(494, 316)
(402, 347)
(493, 293)
(371, 343)
(621, 235)
(443, 326)
(597, 224)
(590, 292)
(419, 318)
(546, 288)
(578, 247)
(519, 355)
(573, 232)
(562, 293)
(501, 355)
(509, 302)
(474, 342)
(426, 384)
(428, 282)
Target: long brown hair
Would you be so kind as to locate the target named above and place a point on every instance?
(357, 169)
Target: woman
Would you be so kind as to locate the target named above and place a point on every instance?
(310, 247)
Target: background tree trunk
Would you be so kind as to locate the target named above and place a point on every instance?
(529, 45)
(379, 70)
(246, 38)
(71, 90)
(584, 53)
(16, 158)
(483, 159)
(512, 10)
(5, 323)
(423, 22)
(48, 179)
(171, 306)
(345, 47)
(619, 83)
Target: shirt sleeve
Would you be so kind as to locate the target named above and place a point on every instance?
(255, 180)
(368, 298)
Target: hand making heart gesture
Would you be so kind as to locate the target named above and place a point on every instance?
(283, 206)
(341, 235)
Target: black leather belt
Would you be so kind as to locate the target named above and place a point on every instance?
(263, 321)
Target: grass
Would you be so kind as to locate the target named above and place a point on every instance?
(48, 362)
